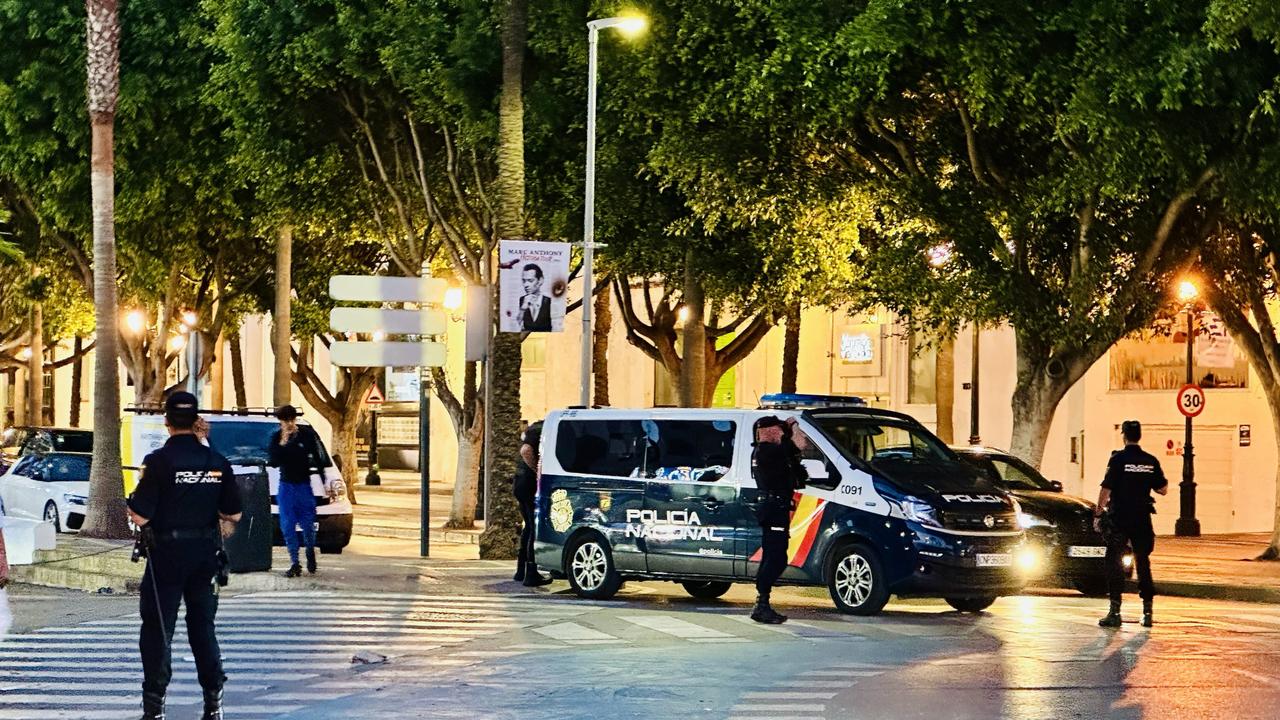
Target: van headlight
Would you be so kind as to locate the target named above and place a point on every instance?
(338, 488)
(71, 499)
(917, 510)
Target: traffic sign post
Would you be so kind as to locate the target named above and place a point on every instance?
(1191, 400)
(374, 400)
(423, 322)
(1190, 404)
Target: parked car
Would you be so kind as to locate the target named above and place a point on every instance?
(52, 487)
(20, 441)
(1060, 524)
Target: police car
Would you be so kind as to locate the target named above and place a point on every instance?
(668, 494)
(242, 436)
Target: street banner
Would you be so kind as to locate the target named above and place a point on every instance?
(533, 280)
(1214, 347)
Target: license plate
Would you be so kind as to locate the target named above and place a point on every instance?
(1083, 551)
(995, 560)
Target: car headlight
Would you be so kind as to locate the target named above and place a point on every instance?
(71, 499)
(1026, 521)
(917, 510)
(339, 488)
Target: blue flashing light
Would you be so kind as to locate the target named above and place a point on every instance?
(791, 401)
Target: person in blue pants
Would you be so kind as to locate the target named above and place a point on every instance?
(296, 453)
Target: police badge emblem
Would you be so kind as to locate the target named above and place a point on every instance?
(561, 510)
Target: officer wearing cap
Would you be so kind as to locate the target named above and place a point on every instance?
(1123, 515)
(778, 475)
(185, 490)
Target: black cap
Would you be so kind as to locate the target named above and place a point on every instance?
(286, 412)
(769, 421)
(182, 407)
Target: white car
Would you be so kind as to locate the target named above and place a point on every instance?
(52, 487)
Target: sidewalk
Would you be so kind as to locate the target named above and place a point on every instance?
(1218, 567)
(391, 510)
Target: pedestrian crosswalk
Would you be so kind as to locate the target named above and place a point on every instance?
(282, 651)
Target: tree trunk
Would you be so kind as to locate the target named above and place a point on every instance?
(1036, 396)
(77, 380)
(105, 514)
(791, 350)
(282, 335)
(466, 485)
(343, 442)
(944, 390)
(501, 534)
(35, 367)
(237, 369)
(693, 368)
(600, 343)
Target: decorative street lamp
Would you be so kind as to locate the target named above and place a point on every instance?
(1188, 524)
(629, 26)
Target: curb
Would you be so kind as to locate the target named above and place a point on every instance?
(1209, 591)
(403, 532)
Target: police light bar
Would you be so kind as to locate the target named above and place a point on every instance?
(792, 401)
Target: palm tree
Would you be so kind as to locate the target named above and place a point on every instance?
(105, 513)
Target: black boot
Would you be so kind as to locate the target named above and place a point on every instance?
(533, 578)
(1146, 613)
(519, 576)
(1112, 620)
(152, 706)
(212, 705)
(311, 561)
(295, 570)
(763, 613)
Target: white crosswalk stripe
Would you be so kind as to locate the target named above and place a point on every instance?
(282, 651)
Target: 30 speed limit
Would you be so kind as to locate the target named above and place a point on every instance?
(1191, 400)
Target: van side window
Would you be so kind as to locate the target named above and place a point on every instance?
(610, 448)
(700, 450)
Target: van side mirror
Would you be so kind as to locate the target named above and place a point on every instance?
(1057, 486)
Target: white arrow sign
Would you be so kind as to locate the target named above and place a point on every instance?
(392, 322)
(387, 354)
(376, 288)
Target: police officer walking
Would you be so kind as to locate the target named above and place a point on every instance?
(1124, 513)
(185, 490)
(525, 486)
(778, 476)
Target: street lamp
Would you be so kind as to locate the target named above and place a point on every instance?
(1187, 524)
(135, 322)
(628, 26)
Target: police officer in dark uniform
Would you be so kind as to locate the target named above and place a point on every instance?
(185, 491)
(1124, 513)
(525, 486)
(778, 475)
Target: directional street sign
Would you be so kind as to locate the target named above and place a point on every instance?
(377, 288)
(391, 322)
(387, 354)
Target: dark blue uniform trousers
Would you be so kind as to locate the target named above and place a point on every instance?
(179, 571)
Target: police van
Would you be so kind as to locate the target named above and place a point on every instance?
(668, 494)
(242, 436)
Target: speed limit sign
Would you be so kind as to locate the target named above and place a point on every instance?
(1191, 400)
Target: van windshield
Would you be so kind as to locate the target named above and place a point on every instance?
(242, 443)
(906, 454)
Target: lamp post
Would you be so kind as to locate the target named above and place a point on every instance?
(1188, 525)
(627, 26)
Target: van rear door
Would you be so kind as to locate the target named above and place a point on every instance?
(692, 504)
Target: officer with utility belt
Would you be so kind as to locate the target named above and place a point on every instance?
(185, 503)
(1124, 514)
(778, 475)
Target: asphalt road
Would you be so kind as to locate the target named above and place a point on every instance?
(496, 651)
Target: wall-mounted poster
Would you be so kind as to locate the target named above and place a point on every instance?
(1157, 360)
(533, 280)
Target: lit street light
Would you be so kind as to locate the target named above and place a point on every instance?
(1187, 523)
(453, 299)
(628, 26)
(135, 322)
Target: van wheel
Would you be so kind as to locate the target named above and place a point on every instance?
(589, 567)
(971, 604)
(856, 581)
(709, 590)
